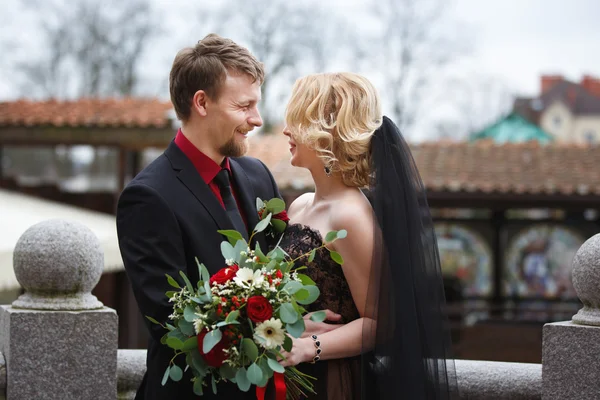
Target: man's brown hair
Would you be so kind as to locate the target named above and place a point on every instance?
(205, 67)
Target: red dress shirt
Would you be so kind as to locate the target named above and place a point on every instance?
(207, 168)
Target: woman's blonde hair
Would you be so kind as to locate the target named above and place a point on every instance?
(336, 114)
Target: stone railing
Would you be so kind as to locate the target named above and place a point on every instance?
(57, 341)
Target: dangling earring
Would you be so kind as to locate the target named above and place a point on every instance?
(327, 169)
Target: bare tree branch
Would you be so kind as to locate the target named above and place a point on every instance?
(92, 48)
(286, 36)
(414, 50)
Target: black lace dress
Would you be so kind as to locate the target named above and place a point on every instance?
(336, 379)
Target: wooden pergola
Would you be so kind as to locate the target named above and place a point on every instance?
(127, 125)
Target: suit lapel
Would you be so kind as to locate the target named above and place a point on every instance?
(193, 181)
(247, 197)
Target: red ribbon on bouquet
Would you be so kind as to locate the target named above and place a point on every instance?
(280, 389)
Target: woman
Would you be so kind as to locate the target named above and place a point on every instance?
(393, 342)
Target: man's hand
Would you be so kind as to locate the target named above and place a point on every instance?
(318, 328)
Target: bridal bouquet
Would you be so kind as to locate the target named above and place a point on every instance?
(233, 325)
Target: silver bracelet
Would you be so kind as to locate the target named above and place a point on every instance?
(317, 356)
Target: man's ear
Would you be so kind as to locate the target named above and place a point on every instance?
(199, 102)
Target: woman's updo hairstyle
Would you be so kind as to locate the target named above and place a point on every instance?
(336, 114)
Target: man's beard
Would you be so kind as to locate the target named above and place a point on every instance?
(234, 148)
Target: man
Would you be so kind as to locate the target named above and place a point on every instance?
(170, 213)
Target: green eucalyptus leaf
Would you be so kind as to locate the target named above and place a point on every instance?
(187, 281)
(306, 280)
(278, 225)
(170, 293)
(239, 247)
(213, 383)
(271, 265)
(211, 339)
(335, 256)
(198, 363)
(254, 374)
(176, 333)
(276, 205)
(288, 343)
(292, 287)
(174, 343)
(227, 371)
(153, 320)
(331, 236)
(313, 294)
(264, 365)
(249, 348)
(242, 380)
(186, 327)
(275, 366)
(208, 291)
(163, 339)
(342, 234)
(296, 329)
(259, 204)
(198, 390)
(166, 376)
(227, 251)
(288, 314)
(189, 313)
(261, 256)
(232, 316)
(318, 316)
(203, 272)
(176, 373)
(232, 236)
(262, 225)
(301, 294)
(190, 343)
(170, 327)
(225, 323)
(172, 281)
(312, 255)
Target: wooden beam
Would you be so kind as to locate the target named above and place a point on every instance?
(505, 201)
(130, 138)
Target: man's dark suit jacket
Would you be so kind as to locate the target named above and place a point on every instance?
(166, 217)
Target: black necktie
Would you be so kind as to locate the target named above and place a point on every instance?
(222, 180)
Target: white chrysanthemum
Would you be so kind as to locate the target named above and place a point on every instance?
(269, 334)
(245, 277)
(198, 325)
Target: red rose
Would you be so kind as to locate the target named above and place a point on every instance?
(259, 309)
(215, 357)
(282, 216)
(224, 275)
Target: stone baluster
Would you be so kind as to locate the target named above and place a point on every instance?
(571, 350)
(58, 340)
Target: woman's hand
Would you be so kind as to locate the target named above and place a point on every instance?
(318, 328)
(303, 350)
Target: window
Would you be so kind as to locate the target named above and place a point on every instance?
(537, 104)
(590, 137)
(556, 121)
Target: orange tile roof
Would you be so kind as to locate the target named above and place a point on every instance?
(446, 167)
(88, 112)
(527, 168)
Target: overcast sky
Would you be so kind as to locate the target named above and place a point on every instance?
(513, 41)
(518, 40)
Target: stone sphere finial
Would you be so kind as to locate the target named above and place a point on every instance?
(58, 263)
(586, 280)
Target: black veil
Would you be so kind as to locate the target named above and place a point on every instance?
(406, 350)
